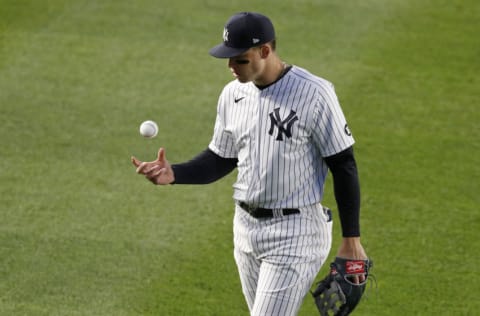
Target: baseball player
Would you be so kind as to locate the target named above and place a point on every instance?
(283, 129)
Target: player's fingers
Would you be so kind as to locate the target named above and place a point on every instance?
(357, 279)
(361, 278)
(153, 171)
(135, 161)
(150, 170)
(354, 279)
(161, 154)
(156, 176)
(142, 167)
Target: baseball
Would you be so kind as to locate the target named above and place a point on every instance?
(149, 129)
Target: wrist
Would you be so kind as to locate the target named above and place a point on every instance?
(351, 248)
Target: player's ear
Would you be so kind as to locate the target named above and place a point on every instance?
(265, 50)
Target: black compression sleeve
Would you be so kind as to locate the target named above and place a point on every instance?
(347, 190)
(205, 168)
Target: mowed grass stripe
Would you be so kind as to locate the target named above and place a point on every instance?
(415, 160)
(80, 79)
(66, 125)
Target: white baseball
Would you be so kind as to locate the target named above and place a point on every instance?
(149, 129)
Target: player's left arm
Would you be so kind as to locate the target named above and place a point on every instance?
(347, 194)
(337, 151)
(347, 190)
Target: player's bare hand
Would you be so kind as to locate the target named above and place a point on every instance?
(158, 171)
(351, 248)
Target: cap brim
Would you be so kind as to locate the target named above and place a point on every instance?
(222, 51)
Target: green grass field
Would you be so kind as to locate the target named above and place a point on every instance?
(82, 234)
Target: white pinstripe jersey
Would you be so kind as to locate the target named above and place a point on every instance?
(279, 135)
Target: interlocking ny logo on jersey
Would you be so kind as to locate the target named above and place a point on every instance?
(284, 126)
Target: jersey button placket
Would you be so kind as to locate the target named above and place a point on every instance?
(254, 143)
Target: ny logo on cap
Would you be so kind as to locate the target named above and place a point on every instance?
(225, 35)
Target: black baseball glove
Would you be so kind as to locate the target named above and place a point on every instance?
(336, 294)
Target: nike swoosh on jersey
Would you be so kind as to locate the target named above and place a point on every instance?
(236, 100)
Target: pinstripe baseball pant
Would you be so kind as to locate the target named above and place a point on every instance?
(278, 258)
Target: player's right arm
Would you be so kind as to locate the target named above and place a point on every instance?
(205, 168)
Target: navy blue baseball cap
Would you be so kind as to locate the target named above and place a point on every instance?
(243, 31)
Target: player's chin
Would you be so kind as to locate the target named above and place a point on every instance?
(242, 79)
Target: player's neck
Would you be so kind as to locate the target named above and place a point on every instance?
(274, 70)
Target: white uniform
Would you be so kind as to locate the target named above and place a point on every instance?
(279, 135)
